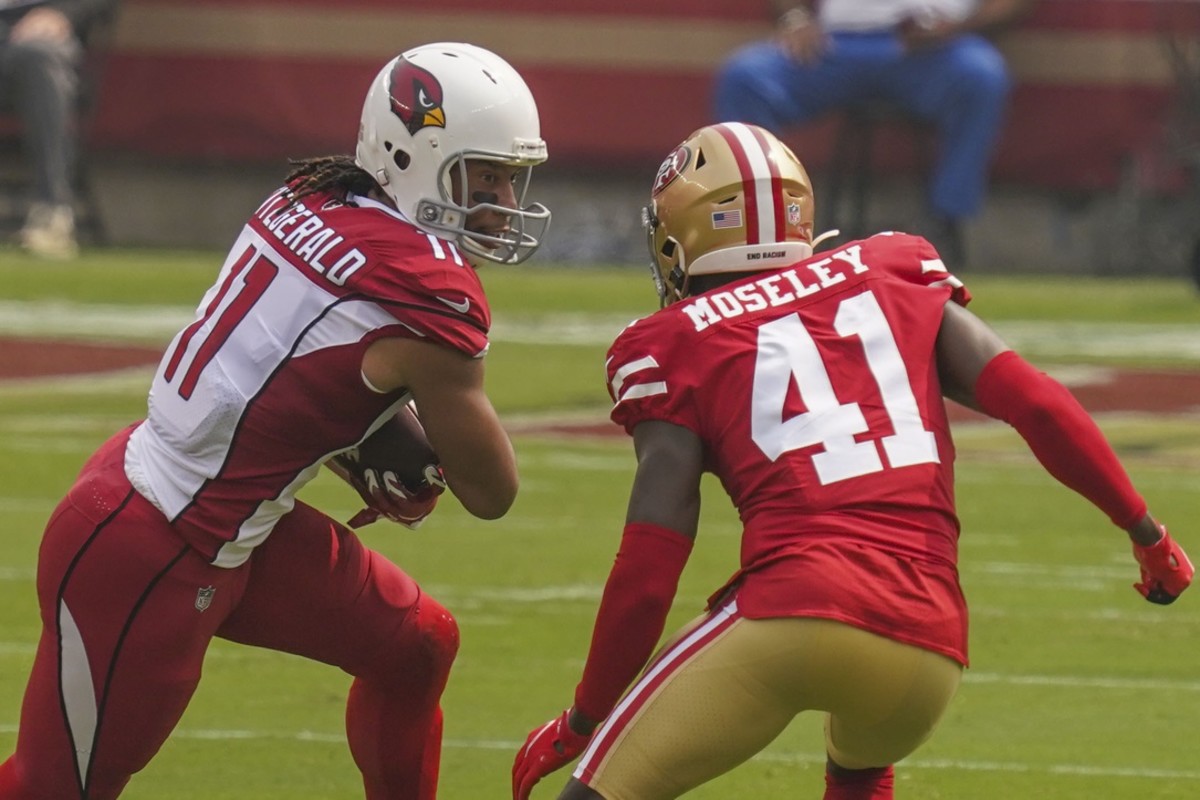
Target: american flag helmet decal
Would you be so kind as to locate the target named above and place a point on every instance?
(761, 182)
(727, 219)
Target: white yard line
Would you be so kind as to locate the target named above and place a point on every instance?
(964, 765)
(100, 322)
(92, 321)
(1082, 682)
(119, 382)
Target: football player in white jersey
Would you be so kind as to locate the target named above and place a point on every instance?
(351, 291)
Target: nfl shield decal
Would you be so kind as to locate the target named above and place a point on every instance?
(204, 597)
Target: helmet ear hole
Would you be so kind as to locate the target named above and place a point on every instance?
(401, 159)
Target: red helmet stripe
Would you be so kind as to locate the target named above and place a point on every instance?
(739, 154)
(762, 184)
(777, 204)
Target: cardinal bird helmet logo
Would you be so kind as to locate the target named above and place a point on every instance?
(416, 97)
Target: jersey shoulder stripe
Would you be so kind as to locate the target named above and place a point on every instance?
(911, 259)
(641, 380)
(631, 369)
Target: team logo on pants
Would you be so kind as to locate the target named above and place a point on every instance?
(204, 597)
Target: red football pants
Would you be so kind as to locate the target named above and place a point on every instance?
(128, 611)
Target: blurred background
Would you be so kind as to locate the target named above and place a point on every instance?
(197, 107)
(1079, 690)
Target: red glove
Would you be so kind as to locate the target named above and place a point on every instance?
(1166, 570)
(546, 749)
(386, 496)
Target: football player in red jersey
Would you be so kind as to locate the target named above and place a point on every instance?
(812, 386)
(350, 291)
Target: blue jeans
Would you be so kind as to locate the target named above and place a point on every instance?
(961, 87)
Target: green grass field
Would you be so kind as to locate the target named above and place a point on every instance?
(1078, 689)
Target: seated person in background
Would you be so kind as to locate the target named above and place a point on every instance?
(41, 51)
(929, 57)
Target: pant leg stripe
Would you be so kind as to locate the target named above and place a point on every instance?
(657, 674)
(82, 702)
(78, 690)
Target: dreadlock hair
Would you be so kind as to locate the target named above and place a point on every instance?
(337, 174)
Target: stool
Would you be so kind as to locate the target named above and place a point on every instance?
(850, 169)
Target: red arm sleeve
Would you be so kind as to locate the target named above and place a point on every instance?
(633, 612)
(1061, 434)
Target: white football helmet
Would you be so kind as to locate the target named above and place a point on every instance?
(730, 198)
(427, 111)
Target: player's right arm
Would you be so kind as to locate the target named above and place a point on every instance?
(660, 525)
(978, 370)
(475, 451)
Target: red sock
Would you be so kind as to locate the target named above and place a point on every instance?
(399, 756)
(860, 784)
(393, 720)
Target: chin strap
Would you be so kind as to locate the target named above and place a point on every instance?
(829, 234)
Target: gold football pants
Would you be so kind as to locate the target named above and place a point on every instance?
(725, 686)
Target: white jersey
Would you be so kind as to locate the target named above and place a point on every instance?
(265, 385)
(877, 15)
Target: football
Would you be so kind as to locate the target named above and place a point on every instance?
(399, 446)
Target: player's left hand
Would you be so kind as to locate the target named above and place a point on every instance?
(546, 749)
(1166, 570)
(388, 497)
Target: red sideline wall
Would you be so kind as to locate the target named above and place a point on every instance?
(617, 82)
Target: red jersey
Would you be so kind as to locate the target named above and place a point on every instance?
(266, 384)
(815, 392)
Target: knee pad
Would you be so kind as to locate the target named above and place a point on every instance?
(420, 650)
(436, 631)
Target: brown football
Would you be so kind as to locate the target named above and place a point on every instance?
(400, 446)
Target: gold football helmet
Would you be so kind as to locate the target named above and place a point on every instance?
(730, 198)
